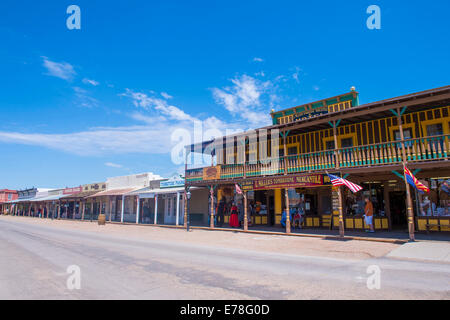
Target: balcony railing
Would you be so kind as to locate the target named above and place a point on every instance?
(434, 148)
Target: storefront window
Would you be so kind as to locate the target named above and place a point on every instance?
(437, 202)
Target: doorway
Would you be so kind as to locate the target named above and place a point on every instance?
(398, 210)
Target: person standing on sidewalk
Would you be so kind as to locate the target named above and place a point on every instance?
(221, 212)
(368, 214)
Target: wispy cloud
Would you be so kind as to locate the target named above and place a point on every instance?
(296, 74)
(91, 82)
(113, 165)
(83, 99)
(145, 101)
(256, 59)
(166, 95)
(244, 98)
(61, 70)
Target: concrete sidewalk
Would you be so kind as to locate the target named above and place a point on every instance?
(428, 251)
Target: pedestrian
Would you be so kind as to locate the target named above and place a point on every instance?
(234, 220)
(221, 212)
(241, 213)
(368, 214)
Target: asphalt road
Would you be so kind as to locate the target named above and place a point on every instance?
(34, 259)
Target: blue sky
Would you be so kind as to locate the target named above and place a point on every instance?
(78, 106)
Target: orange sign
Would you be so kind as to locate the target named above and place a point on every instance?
(211, 173)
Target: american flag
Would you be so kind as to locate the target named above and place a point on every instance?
(238, 190)
(414, 182)
(337, 181)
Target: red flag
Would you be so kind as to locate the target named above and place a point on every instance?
(238, 189)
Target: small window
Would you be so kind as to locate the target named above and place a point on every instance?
(435, 129)
(292, 151)
(329, 145)
(347, 143)
(407, 134)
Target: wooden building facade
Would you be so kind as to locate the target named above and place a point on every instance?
(368, 144)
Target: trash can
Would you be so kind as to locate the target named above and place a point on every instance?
(101, 219)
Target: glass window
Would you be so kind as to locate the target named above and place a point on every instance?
(347, 143)
(435, 129)
(292, 150)
(407, 134)
(329, 145)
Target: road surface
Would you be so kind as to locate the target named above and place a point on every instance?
(136, 262)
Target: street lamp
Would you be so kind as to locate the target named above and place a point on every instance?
(188, 196)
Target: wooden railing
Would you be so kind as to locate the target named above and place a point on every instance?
(436, 148)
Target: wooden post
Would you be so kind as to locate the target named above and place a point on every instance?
(59, 210)
(177, 218)
(138, 208)
(122, 212)
(409, 203)
(185, 209)
(211, 222)
(285, 152)
(245, 212)
(387, 204)
(288, 214)
(341, 213)
(83, 208)
(156, 210)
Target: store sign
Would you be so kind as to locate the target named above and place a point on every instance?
(72, 190)
(300, 181)
(172, 183)
(94, 187)
(211, 173)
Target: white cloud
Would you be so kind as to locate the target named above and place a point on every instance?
(113, 165)
(91, 82)
(61, 70)
(244, 99)
(166, 95)
(145, 101)
(99, 141)
(83, 98)
(296, 74)
(256, 59)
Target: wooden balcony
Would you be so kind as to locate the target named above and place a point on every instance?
(429, 149)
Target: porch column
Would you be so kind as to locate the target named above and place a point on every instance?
(387, 204)
(123, 209)
(83, 208)
(288, 214)
(245, 212)
(156, 209)
(177, 218)
(409, 203)
(137, 208)
(92, 209)
(59, 210)
(211, 220)
(185, 209)
(339, 191)
(110, 207)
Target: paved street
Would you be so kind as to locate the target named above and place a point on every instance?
(141, 262)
